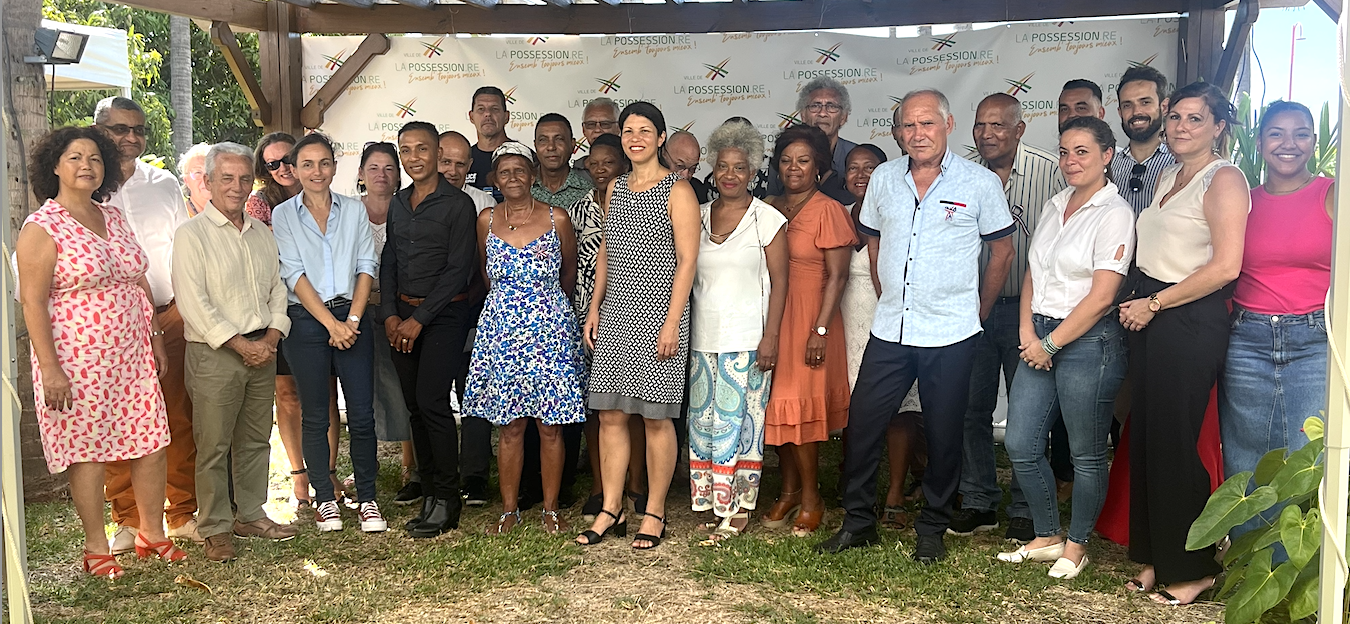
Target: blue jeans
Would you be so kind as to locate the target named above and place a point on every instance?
(312, 359)
(1274, 378)
(995, 350)
(1081, 387)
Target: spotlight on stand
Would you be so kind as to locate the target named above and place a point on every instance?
(57, 47)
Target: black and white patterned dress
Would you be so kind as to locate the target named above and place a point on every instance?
(640, 255)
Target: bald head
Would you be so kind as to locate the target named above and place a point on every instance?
(456, 157)
(998, 129)
(683, 153)
(1009, 106)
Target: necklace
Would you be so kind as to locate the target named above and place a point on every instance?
(791, 211)
(722, 238)
(506, 213)
(1292, 191)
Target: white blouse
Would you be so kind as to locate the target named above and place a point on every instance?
(731, 286)
(1063, 256)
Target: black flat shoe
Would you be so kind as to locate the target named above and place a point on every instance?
(930, 549)
(409, 494)
(619, 528)
(654, 539)
(845, 540)
(444, 517)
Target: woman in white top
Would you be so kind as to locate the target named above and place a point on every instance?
(1190, 251)
(1073, 347)
(858, 306)
(739, 293)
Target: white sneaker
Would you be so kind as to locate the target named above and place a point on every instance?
(327, 517)
(1065, 569)
(371, 520)
(188, 532)
(1044, 553)
(123, 540)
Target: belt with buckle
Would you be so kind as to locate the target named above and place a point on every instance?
(417, 301)
(337, 302)
(164, 308)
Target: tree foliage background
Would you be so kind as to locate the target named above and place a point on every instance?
(220, 111)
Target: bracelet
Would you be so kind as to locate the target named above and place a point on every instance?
(156, 333)
(1049, 345)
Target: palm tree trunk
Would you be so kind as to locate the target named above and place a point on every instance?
(25, 120)
(180, 81)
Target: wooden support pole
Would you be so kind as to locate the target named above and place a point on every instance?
(280, 65)
(1200, 43)
(311, 116)
(224, 39)
(1236, 49)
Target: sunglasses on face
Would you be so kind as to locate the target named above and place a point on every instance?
(273, 165)
(1137, 184)
(121, 130)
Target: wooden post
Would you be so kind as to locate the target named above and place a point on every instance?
(1200, 44)
(279, 60)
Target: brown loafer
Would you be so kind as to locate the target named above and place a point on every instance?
(265, 528)
(220, 547)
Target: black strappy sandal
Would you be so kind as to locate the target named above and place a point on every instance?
(301, 503)
(619, 528)
(654, 539)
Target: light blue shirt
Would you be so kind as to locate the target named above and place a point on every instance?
(330, 260)
(929, 257)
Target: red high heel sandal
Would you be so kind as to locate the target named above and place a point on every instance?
(102, 565)
(165, 550)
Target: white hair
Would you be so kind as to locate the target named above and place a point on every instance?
(227, 149)
(737, 135)
(195, 155)
(824, 83)
(602, 102)
(944, 107)
(106, 105)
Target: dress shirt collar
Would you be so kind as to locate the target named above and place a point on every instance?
(574, 181)
(1160, 152)
(1105, 195)
(1020, 163)
(443, 187)
(946, 163)
(215, 216)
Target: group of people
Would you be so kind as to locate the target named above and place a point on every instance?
(604, 299)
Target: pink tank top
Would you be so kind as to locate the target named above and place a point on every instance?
(1286, 264)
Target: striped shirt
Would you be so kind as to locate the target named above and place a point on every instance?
(1122, 170)
(1035, 178)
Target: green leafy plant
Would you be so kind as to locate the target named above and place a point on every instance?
(1257, 588)
(1246, 152)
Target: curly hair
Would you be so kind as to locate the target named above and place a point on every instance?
(47, 153)
(814, 138)
(738, 136)
(272, 192)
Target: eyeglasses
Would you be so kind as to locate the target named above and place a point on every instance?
(122, 130)
(1136, 184)
(599, 125)
(273, 165)
(830, 107)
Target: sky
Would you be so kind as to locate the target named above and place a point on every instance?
(1314, 57)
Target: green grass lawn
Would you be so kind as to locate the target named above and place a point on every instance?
(529, 576)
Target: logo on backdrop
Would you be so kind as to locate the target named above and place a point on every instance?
(510, 95)
(828, 54)
(611, 84)
(1031, 109)
(1018, 87)
(787, 120)
(648, 45)
(1045, 40)
(938, 57)
(335, 61)
(406, 110)
(1148, 62)
(433, 49)
(540, 58)
(719, 70)
(538, 40)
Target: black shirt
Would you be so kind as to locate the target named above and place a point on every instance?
(478, 172)
(700, 190)
(431, 252)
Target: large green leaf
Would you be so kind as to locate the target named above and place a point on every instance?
(1269, 466)
(1228, 507)
(1250, 542)
(1261, 589)
(1314, 427)
(1301, 473)
(1304, 594)
(1301, 534)
(1233, 577)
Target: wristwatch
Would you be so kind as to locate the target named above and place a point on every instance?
(1154, 305)
(821, 331)
(354, 318)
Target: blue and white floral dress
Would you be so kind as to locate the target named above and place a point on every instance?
(528, 360)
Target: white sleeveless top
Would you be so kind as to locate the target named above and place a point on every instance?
(1174, 239)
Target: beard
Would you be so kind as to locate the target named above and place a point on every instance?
(1144, 134)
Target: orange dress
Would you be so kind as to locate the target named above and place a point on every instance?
(807, 403)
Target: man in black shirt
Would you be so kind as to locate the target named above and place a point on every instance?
(488, 114)
(425, 275)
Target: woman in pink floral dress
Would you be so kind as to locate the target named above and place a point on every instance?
(95, 344)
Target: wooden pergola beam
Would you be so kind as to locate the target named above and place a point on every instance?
(246, 14)
(312, 114)
(1236, 49)
(699, 17)
(224, 39)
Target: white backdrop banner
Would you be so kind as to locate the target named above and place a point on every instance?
(700, 80)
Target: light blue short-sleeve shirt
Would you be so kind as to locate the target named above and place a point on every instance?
(929, 256)
(331, 259)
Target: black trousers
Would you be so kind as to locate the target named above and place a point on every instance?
(887, 372)
(1175, 361)
(475, 445)
(426, 375)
